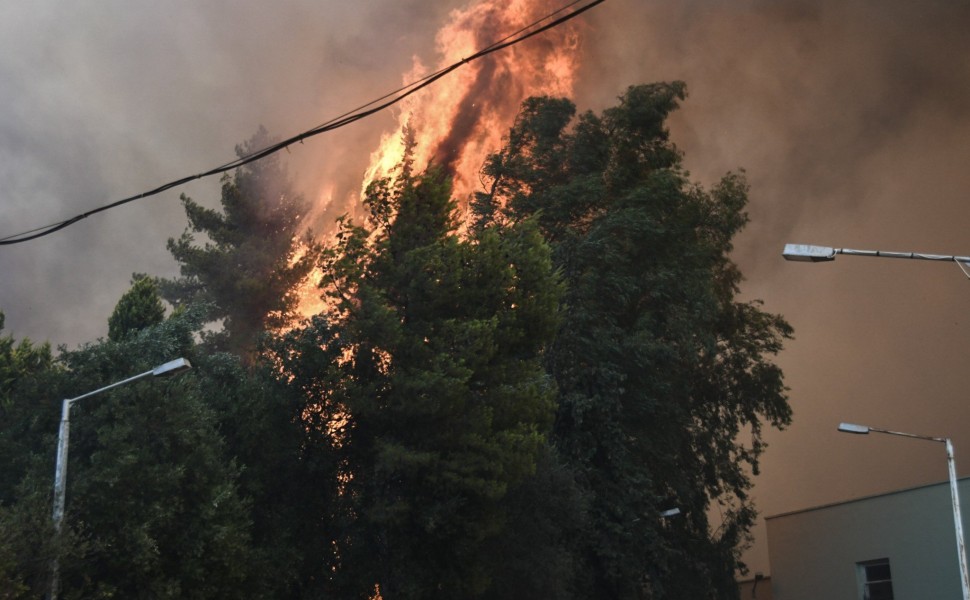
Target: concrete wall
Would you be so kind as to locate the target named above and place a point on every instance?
(814, 552)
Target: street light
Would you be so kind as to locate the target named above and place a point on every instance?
(954, 492)
(60, 469)
(810, 253)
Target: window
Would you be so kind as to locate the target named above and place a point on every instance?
(875, 580)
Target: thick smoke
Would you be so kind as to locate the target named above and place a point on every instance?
(851, 120)
(465, 123)
(850, 117)
(108, 100)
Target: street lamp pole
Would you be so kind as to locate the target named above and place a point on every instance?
(63, 433)
(954, 491)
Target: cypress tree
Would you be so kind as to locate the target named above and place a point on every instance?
(140, 307)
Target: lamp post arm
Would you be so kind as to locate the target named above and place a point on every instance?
(63, 434)
(910, 435)
(113, 385)
(812, 253)
(909, 255)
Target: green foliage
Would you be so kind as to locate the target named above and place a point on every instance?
(27, 540)
(535, 557)
(25, 371)
(205, 485)
(255, 255)
(287, 475)
(429, 377)
(28, 377)
(660, 370)
(496, 414)
(151, 488)
(140, 307)
(19, 362)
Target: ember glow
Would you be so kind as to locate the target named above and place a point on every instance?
(460, 119)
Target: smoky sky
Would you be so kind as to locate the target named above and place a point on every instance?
(850, 118)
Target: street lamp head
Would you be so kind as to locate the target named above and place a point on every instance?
(850, 428)
(807, 253)
(171, 367)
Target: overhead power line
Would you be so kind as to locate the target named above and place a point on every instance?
(545, 23)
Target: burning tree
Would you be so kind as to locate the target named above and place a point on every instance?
(427, 373)
(659, 367)
(249, 270)
(456, 124)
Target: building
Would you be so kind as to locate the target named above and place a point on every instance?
(757, 587)
(895, 546)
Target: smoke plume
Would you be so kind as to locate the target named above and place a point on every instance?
(851, 119)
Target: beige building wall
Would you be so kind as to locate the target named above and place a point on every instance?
(814, 553)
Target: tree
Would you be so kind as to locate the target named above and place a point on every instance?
(140, 307)
(535, 557)
(27, 412)
(659, 368)
(151, 489)
(24, 369)
(429, 380)
(287, 470)
(153, 508)
(207, 485)
(255, 257)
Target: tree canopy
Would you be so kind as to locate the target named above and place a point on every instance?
(496, 408)
(255, 257)
(140, 307)
(435, 388)
(26, 531)
(660, 369)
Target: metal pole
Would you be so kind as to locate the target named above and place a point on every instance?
(954, 492)
(909, 255)
(957, 519)
(60, 468)
(60, 482)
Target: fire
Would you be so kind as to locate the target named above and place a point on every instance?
(459, 120)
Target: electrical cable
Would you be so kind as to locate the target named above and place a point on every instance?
(346, 118)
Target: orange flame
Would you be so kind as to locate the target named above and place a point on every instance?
(459, 120)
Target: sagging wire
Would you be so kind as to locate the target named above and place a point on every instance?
(361, 112)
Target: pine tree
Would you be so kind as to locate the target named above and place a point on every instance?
(256, 255)
(659, 368)
(436, 391)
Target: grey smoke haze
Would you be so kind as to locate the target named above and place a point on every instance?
(851, 118)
